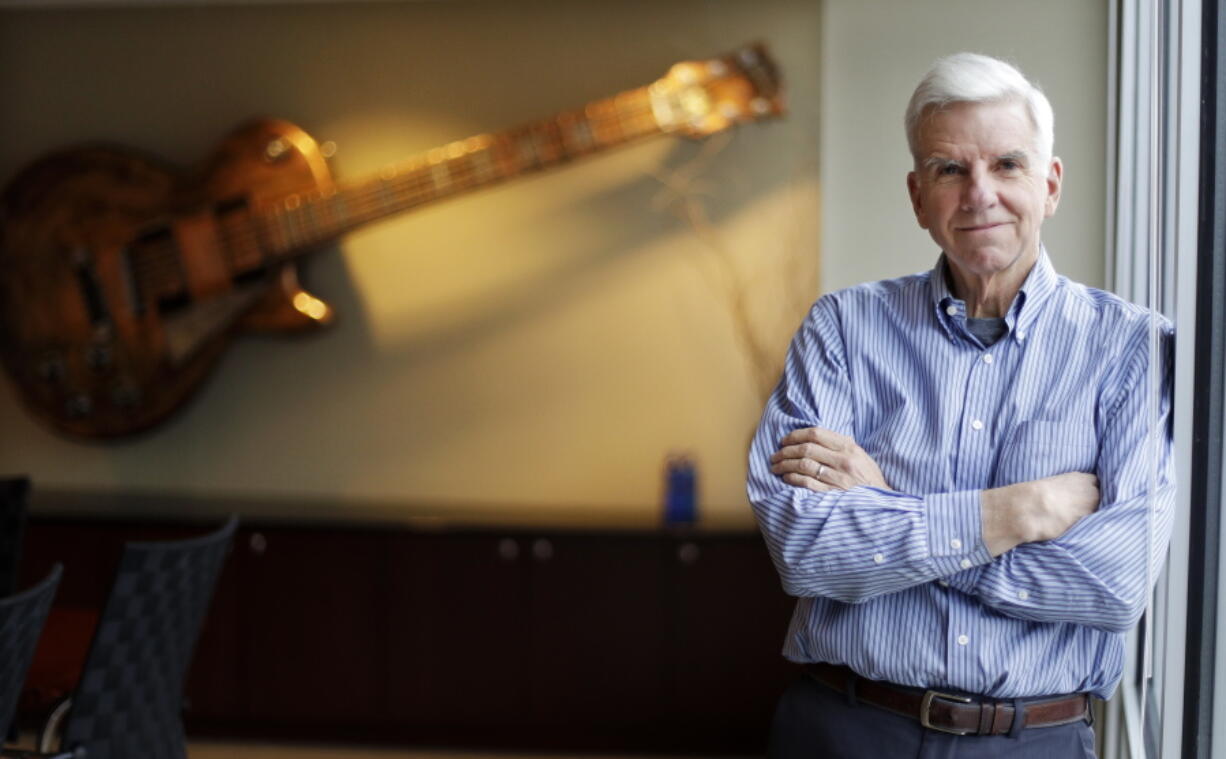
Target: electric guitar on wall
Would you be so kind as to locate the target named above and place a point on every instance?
(122, 281)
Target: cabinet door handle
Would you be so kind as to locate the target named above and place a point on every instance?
(258, 543)
(688, 553)
(542, 549)
(508, 549)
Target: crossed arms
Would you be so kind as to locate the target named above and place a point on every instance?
(1078, 547)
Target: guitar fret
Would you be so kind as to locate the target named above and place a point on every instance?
(311, 219)
(485, 170)
(386, 196)
(557, 145)
(605, 124)
(576, 133)
(440, 173)
(525, 152)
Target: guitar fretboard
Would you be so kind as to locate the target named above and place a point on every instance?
(303, 221)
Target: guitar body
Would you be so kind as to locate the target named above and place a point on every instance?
(122, 280)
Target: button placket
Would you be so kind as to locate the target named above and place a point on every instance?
(973, 460)
(961, 654)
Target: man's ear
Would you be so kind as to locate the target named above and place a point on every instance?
(1055, 176)
(916, 204)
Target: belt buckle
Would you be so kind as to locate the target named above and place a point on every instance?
(926, 705)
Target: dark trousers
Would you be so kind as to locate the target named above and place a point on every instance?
(814, 722)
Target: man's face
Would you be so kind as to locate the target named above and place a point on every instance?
(977, 188)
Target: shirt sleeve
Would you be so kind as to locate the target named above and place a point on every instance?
(1100, 572)
(855, 544)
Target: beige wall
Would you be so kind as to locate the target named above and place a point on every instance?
(543, 344)
(874, 52)
(532, 351)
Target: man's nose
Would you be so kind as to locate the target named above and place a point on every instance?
(979, 192)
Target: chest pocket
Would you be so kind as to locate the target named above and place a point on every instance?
(1041, 448)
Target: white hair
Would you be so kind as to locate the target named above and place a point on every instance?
(974, 78)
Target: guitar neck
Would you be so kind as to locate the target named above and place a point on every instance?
(300, 223)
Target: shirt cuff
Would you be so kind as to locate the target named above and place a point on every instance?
(955, 531)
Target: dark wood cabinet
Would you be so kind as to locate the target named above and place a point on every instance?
(728, 632)
(313, 641)
(458, 622)
(545, 640)
(599, 643)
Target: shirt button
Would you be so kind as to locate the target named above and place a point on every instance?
(963, 640)
(955, 544)
(987, 358)
(942, 583)
(1021, 335)
(977, 424)
(878, 558)
(951, 310)
(965, 564)
(1022, 594)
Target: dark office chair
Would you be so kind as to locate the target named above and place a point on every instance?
(13, 494)
(129, 700)
(21, 621)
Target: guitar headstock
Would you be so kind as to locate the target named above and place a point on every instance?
(699, 98)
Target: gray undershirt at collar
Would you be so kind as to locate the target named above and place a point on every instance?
(987, 330)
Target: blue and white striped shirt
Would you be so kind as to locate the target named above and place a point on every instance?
(897, 584)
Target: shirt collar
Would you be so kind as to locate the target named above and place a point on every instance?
(1039, 283)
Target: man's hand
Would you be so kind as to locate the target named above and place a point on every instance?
(822, 460)
(1028, 512)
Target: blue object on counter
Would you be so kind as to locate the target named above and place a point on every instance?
(680, 503)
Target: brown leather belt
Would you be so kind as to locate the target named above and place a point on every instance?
(952, 713)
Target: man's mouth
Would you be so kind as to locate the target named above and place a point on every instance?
(982, 227)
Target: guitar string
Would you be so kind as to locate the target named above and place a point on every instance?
(160, 272)
(302, 226)
(608, 122)
(418, 182)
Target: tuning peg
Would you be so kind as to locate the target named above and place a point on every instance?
(275, 149)
(327, 149)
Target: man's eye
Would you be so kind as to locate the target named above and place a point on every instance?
(1010, 165)
(949, 170)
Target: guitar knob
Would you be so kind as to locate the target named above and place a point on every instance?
(78, 405)
(51, 367)
(99, 357)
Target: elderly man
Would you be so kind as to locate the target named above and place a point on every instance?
(953, 475)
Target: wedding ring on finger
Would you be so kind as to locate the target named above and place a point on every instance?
(820, 468)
